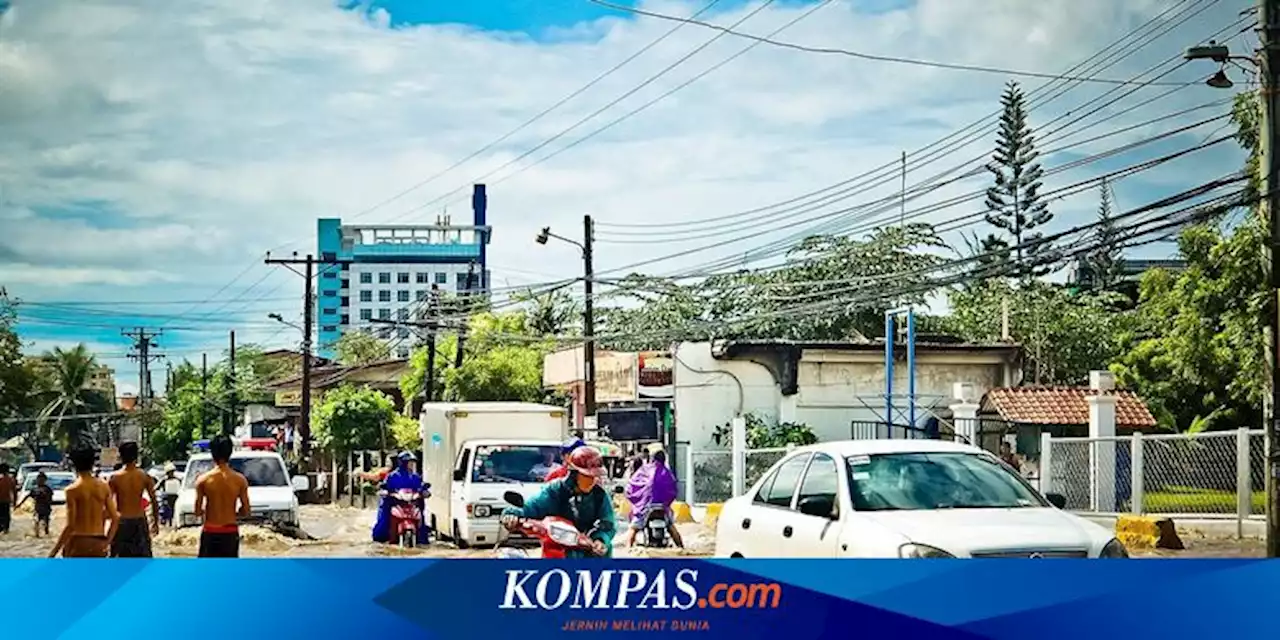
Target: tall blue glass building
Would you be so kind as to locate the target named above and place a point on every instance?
(393, 270)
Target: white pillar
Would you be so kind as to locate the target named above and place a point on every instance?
(1137, 490)
(688, 475)
(739, 453)
(1046, 463)
(1244, 480)
(964, 413)
(788, 409)
(1102, 450)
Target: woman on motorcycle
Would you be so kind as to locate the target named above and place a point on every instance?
(404, 477)
(579, 498)
(653, 483)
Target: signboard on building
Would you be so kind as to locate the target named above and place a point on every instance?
(109, 457)
(654, 378)
(615, 377)
(290, 398)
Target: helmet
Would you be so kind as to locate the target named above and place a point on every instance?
(405, 456)
(587, 461)
(571, 445)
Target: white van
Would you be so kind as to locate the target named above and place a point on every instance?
(272, 495)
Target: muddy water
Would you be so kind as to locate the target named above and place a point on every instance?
(339, 532)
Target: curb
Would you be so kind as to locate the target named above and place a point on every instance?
(713, 514)
(681, 512)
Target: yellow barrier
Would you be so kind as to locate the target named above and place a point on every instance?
(1143, 532)
(713, 514)
(681, 512)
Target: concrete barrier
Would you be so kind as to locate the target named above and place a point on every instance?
(712, 515)
(681, 512)
(1143, 532)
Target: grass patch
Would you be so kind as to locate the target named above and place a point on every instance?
(1188, 500)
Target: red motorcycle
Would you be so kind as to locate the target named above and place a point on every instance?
(556, 535)
(405, 517)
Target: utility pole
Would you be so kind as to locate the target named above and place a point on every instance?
(204, 392)
(143, 341)
(588, 323)
(432, 325)
(1268, 63)
(308, 319)
(467, 306)
(228, 425)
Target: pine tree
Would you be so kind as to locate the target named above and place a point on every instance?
(1013, 202)
(1104, 261)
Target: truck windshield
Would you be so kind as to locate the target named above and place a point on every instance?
(514, 463)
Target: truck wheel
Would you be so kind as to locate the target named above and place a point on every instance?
(457, 537)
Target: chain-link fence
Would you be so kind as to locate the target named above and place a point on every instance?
(712, 472)
(1207, 474)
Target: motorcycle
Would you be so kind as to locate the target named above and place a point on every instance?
(557, 536)
(654, 526)
(406, 518)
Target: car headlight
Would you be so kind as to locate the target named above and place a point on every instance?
(913, 550)
(480, 510)
(1114, 549)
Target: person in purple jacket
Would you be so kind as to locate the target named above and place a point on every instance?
(653, 483)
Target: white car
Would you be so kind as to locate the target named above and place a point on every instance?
(272, 495)
(902, 499)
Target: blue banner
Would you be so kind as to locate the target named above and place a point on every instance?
(787, 600)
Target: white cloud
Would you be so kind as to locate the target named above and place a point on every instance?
(216, 129)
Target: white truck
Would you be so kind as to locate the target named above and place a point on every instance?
(473, 452)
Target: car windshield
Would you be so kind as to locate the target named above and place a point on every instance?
(514, 463)
(944, 480)
(55, 481)
(259, 471)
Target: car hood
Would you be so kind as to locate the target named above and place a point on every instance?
(963, 532)
(260, 498)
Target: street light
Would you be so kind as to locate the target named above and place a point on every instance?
(1220, 54)
(588, 312)
(278, 318)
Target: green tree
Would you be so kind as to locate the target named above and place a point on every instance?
(507, 372)
(181, 422)
(357, 348)
(17, 378)
(554, 313)
(69, 396)
(1013, 202)
(1104, 262)
(182, 375)
(406, 433)
(352, 418)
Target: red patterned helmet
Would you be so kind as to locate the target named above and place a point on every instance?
(587, 461)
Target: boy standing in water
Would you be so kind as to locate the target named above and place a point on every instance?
(8, 496)
(89, 512)
(217, 492)
(133, 537)
(42, 497)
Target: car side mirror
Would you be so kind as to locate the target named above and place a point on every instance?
(817, 506)
(301, 483)
(514, 499)
(1056, 499)
(459, 475)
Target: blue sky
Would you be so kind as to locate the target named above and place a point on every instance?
(151, 151)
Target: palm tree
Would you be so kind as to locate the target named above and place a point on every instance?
(68, 395)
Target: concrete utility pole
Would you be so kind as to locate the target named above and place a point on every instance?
(462, 325)
(1268, 63)
(588, 312)
(143, 342)
(308, 319)
(204, 393)
(431, 326)
(228, 424)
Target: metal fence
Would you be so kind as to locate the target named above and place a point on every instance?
(712, 472)
(1214, 474)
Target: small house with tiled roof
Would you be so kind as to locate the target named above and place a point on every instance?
(1028, 412)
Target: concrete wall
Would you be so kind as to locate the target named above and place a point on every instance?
(835, 388)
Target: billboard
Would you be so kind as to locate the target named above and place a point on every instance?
(615, 377)
(655, 371)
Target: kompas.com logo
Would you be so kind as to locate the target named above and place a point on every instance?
(615, 589)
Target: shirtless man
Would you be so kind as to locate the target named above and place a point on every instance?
(8, 497)
(89, 512)
(217, 492)
(128, 484)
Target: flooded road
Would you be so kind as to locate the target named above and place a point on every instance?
(338, 532)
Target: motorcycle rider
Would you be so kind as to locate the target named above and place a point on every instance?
(653, 483)
(562, 471)
(170, 487)
(405, 477)
(577, 497)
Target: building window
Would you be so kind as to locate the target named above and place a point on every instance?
(328, 329)
(346, 320)
(402, 333)
(366, 314)
(422, 295)
(402, 278)
(403, 295)
(330, 274)
(462, 282)
(403, 314)
(442, 278)
(384, 314)
(384, 332)
(366, 278)
(329, 294)
(384, 296)
(384, 277)
(402, 353)
(329, 312)
(366, 296)
(423, 277)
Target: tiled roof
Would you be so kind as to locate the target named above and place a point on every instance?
(1064, 406)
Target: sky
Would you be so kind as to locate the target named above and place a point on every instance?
(151, 152)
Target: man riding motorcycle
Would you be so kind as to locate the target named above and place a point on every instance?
(404, 477)
(562, 471)
(652, 484)
(577, 497)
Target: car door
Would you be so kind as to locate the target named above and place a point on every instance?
(771, 509)
(815, 536)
